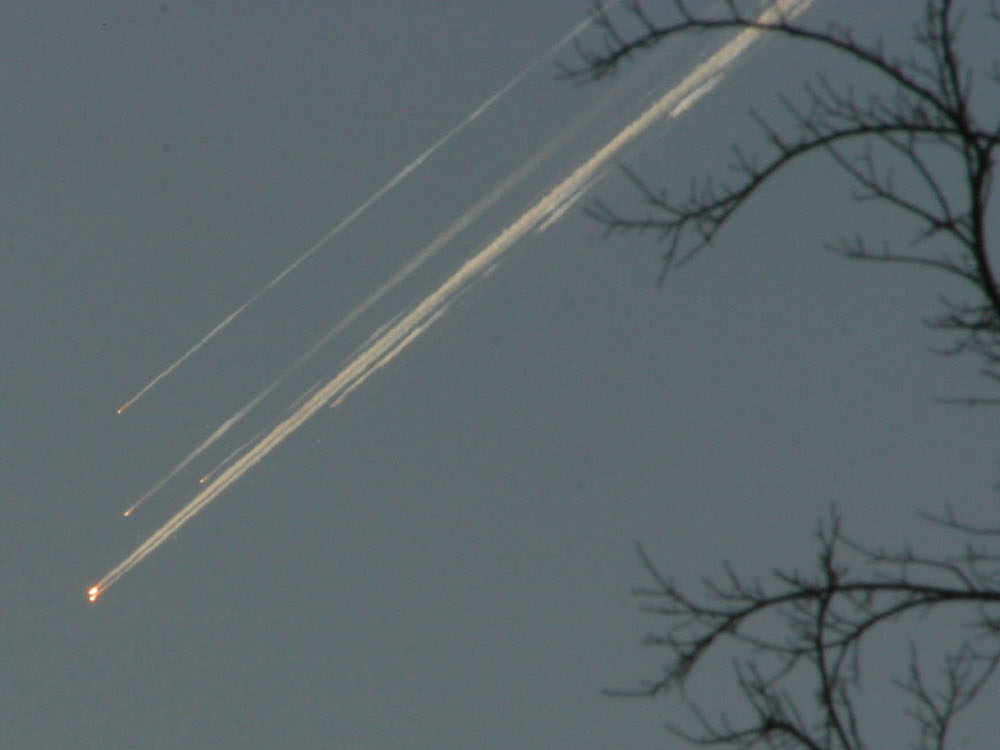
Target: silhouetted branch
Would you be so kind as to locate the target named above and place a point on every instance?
(906, 144)
(827, 614)
(925, 131)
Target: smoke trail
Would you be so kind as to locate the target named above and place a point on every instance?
(400, 335)
(407, 270)
(349, 219)
(218, 433)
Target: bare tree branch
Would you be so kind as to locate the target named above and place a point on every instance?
(925, 131)
(827, 615)
(916, 144)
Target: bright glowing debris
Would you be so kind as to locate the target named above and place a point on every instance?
(388, 344)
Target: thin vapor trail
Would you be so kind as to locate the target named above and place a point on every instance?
(562, 208)
(350, 218)
(463, 222)
(218, 433)
(387, 346)
(257, 435)
(407, 270)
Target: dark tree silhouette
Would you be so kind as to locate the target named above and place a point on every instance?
(904, 149)
(915, 142)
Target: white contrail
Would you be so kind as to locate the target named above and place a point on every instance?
(570, 201)
(387, 346)
(372, 199)
(407, 270)
(684, 104)
(218, 433)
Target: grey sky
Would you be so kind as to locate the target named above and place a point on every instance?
(445, 559)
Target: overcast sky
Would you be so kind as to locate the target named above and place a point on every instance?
(445, 558)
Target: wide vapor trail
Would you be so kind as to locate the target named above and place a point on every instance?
(205, 445)
(361, 209)
(408, 328)
(408, 269)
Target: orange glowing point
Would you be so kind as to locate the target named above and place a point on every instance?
(123, 407)
(128, 512)
(93, 593)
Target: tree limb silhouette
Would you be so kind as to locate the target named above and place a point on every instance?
(823, 617)
(925, 129)
(916, 142)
